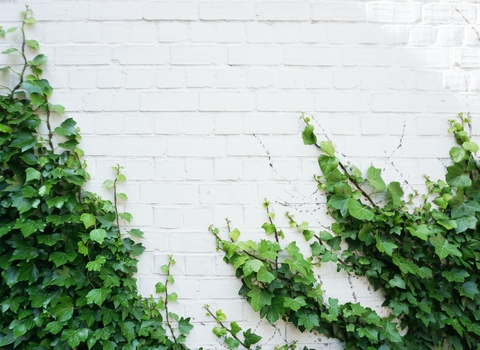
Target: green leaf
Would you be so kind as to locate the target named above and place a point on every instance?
(40, 86)
(38, 60)
(308, 320)
(458, 154)
(328, 148)
(10, 50)
(97, 295)
(309, 138)
(469, 289)
(23, 140)
(470, 146)
(250, 338)
(397, 281)
(33, 44)
(259, 298)
(465, 223)
(5, 129)
(457, 177)
(67, 128)
(108, 184)
(358, 210)
(98, 235)
(184, 325)
(75, 336)
(54, 327)
(295, 304)
(252, 265)
(385, 246)
(219, 331)
(455, 275)
(374, 178)
(63, 311)
(396, 192)
(88, 219)
(235, 328)
(443, 248)
(264, 275)
(136, 233)
(461, 208)
(234, 235)
(57, 108)
(29, 227)
(328, 164)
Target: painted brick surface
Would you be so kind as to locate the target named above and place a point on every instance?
(200, 101)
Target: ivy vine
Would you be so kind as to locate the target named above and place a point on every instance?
(67, 267)
(425, 258)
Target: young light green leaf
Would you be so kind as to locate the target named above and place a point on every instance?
(98, 235)
(359, 211)
(374, 178)
(328, 148)
(88, 219)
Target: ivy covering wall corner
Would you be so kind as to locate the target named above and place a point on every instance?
(67, 268)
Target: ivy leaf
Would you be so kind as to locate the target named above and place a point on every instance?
(443, 248)
(294, 304)
(470, 146)
(75, 336)
(308, 320)
(54, 327)
(458, 154)
(457, 177)
(327, 164)
(250, 338)
(98, 235)
(268, 250)
(396, 192)
(465, 223)
(397, 281)
(33, 44)
(252, 265)
(309, 138)
(358, 210)
(461, 208)
(63, 311)
(328, 148)
(29, 227)
(235, 328)
(23, 140)
(385, 246)
(97, 295)
(87, 219)
(234, 235)
(136, 233)
(184, 325)
(264, 275)
(273, 311)
(469, 289)
(219, 331)
(67, 128)
(259, 298)
(374, 178)
(455, 275)
(38, 60)
(40, 86)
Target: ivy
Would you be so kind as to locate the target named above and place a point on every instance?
(67, 268)
(425, 258)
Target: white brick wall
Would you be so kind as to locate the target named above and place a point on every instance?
(200, 101)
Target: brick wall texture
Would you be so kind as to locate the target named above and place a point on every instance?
(200, 102)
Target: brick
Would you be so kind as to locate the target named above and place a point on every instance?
(288, 32)
(283, 11)
(259, 33)
(257, 170)
(195, 217)
(109, 124)
(259, 78)
(139, 78)
(429, 80)
(196, 147)
(230, 78)
(369, 56)
(345, 79)
(395, 35)
(230, 193)
(467, 57)
(86, 32)
(313, 32)
(199, 265)
(288, 79)
(139, 54)
(138, 123)
(82, 55)
(59, 11)
(423, 35)
(394, 13)
(398, 102)
(164, 125)
(255, 55)
(446, 103)
(241, 11)
(244, 146)
(474, 81)
(114, 10)
(167, 217)
(295, 102)
(177, 10)
(197, 124)
(424, 57)
(228, 169)
(173, 31)
(339, 11)
(109, 78)
(312, 56)
(125, 146)
(401, 79)
(452, 36)
(342, 101)
(227, 101)
(446, 13)
(202, 32)
(199, 169)
(374, 79)
(200, 78)
(455, 80)
(227, 124)
(318, 78)
(57, 33)
(170, 193)
(198, 55)
(220, 288)
(139, 169)
(171, 78)
(82, 78)
(113, 33)
(169, 169)
(110, 101)
(143, 33)
(230, 33)
(168, 101)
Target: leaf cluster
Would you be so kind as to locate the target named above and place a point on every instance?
(425, 258)
(67, 272)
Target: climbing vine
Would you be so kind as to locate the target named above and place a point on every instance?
(425, 258)
(67, 266)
